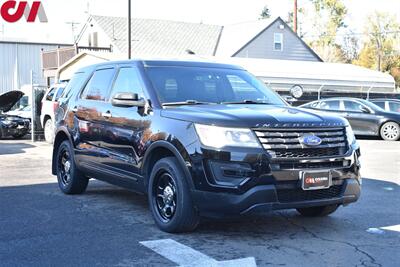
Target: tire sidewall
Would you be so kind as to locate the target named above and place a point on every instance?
(182, 195)
(65, 146)
(383, 127)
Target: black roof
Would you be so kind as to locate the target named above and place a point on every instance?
(164, 62)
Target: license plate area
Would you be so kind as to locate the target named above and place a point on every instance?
(315, 180)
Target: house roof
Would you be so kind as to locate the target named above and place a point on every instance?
(318, 73)
(235, 36)
(161, 37)
(173, 38)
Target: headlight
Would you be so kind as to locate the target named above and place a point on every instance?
(214, 136)
(351, 139)
(7, 122)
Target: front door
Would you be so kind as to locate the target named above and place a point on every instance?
(127, 128)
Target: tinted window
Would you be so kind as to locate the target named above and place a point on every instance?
(75, 83)
(380, 104)
(49, 96)
(128, 80)
(59, 93)
(213, 85)
(394, 106)
(98, 86)
(330, 105)
(352, 106)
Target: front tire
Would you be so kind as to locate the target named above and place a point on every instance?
(318, 211)
(390, 131)
(70, 179)
(169, 198)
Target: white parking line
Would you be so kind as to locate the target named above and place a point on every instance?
(381, 230)
(186, 256)
(395, 228)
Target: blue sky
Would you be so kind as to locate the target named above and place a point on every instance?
(219, 12)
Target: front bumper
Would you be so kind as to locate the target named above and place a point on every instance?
(275, 197)
(276, 185)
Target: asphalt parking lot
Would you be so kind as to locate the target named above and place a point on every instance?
(109, 226)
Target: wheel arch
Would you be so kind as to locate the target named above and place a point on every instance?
(159, 150)
(60, 136)
(45, 119)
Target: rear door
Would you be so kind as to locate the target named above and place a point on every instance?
(363, 123)
(90, 109)
(127, 128)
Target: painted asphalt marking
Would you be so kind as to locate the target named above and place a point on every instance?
(381, 230)
(185, 256)
(395, 228)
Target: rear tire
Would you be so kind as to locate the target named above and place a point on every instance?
(318, 211)
(170, 199)
(390, 131)
(70, 179)
(49, 131)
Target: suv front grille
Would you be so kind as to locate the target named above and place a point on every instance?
(286, 143)
(299, 195)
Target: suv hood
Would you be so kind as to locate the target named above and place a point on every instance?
(9, 99)
(252, 116)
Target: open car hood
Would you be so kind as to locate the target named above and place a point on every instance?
(9, 99)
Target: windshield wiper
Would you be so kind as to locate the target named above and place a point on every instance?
(187, 102)
(246, 102)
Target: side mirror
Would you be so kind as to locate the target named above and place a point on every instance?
(127, 100)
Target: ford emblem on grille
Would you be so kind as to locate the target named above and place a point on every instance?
(311, 140)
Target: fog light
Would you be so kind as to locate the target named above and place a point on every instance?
(230, 174)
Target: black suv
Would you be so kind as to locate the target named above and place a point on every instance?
(200, 139)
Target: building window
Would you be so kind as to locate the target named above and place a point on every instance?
(278, 41)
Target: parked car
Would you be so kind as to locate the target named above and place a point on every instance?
(11, 125)
(390, 105)
(201, 139)
(49, 106)
(364, 117)
(24, 112)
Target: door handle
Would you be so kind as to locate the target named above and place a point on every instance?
(106, 114)
(75, 109)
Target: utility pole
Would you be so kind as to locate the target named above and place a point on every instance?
(129, 29)
(295, 17)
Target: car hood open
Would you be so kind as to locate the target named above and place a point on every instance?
(9, 99)
(252, 116)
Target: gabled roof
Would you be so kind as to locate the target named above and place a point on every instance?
(235, 36)
(161, 37)
(172, 38)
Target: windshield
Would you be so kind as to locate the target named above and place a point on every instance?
(194, 85)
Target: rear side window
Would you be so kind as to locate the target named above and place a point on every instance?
(59, 93)
(98, 86)
(394, 106)
(75, 83)
(330, 105)
(50, 94)
(380, 104)
(128, 80)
